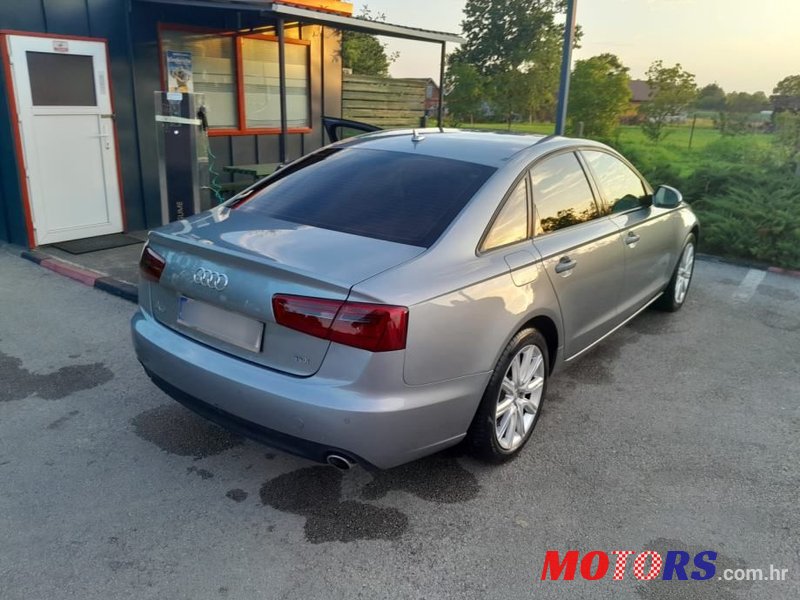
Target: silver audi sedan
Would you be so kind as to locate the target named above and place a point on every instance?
(394, 294)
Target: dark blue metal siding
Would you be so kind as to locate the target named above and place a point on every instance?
(12, 218)
(131, 29)
(94, 18)
(66, 16)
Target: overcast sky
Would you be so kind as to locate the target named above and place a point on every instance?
(743, 45)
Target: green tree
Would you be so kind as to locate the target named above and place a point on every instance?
(363, 53)
(711, 97)
(516, 45)
(508, 34)
(599, 94)
(465, 89)
(673, 89)
(737, 115)
(742, 102)
(788, 86)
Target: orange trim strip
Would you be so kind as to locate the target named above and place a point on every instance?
(12, 105)
(331, 6)
(77, 38)
(268, 131)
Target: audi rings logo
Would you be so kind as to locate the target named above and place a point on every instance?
(210, 279)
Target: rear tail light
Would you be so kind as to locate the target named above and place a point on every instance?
(373, 327)
(151, 264)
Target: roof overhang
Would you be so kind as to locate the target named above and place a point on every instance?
(318, 17)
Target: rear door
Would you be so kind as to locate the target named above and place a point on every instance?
(580, 248)
(647, 231)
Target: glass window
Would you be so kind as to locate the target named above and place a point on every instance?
(213, 73)
(262, 84)
(61, 79)
(621, 187)
(561, 194)
(394, 196)
(511, 225)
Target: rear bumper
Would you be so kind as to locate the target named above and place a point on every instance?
(313, 416)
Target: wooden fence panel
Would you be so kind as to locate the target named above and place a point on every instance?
(387, 103)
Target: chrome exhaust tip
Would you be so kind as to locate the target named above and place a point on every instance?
(340, 462)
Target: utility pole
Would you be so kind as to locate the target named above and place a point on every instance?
(566, 67)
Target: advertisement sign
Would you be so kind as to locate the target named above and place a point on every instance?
(179, 71)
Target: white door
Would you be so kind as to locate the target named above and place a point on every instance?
(66, 125)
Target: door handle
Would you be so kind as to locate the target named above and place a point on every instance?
(631, 239)
(566, 264)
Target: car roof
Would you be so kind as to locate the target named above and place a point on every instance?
(481, 147)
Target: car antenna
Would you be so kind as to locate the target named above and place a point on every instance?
(416, 136)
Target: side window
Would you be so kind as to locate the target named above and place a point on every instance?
(621, 187)
(561, 194)
(511, 224)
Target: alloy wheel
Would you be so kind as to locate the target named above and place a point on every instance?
(684, 275)
(520, 397)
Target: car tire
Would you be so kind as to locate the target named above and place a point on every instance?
(674, 296)
(513, 399)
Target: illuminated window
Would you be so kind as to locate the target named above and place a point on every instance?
(222, 78)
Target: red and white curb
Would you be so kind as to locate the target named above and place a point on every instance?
(94, 279)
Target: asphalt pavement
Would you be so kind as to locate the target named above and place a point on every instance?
(680, 432)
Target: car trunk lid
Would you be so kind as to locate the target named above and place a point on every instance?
(219, 267)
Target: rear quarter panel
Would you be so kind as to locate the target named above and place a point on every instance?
(463, 332)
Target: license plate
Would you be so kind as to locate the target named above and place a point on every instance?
(221, 324)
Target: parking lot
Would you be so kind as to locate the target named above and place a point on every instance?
(680, 432)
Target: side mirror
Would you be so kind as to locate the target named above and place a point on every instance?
(667, 197)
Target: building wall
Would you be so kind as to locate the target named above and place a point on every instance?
(325, 75)
(93, 18)
(131, 31)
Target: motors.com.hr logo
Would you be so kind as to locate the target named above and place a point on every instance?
(675, 565)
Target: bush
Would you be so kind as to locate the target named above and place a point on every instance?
(743, 190)
(753, 221)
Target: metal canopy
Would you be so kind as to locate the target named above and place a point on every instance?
(318, 17)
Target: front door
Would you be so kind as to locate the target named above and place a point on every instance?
(66, 127)
(581, 251)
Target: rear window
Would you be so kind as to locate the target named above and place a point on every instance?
(393, 196)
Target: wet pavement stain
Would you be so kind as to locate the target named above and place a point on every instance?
(21, 383)
(237, 495)
(775, 320)
(202, 473)
(596, 366)
(315, 493)
(438, 478)
(176, 430)
(61, 420)
(660, 589)
(776, 292)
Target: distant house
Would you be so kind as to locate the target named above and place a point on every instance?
(431, 95)
(640, 91)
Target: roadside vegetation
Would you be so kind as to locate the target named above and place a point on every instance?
(743, 187)
(735, 155)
